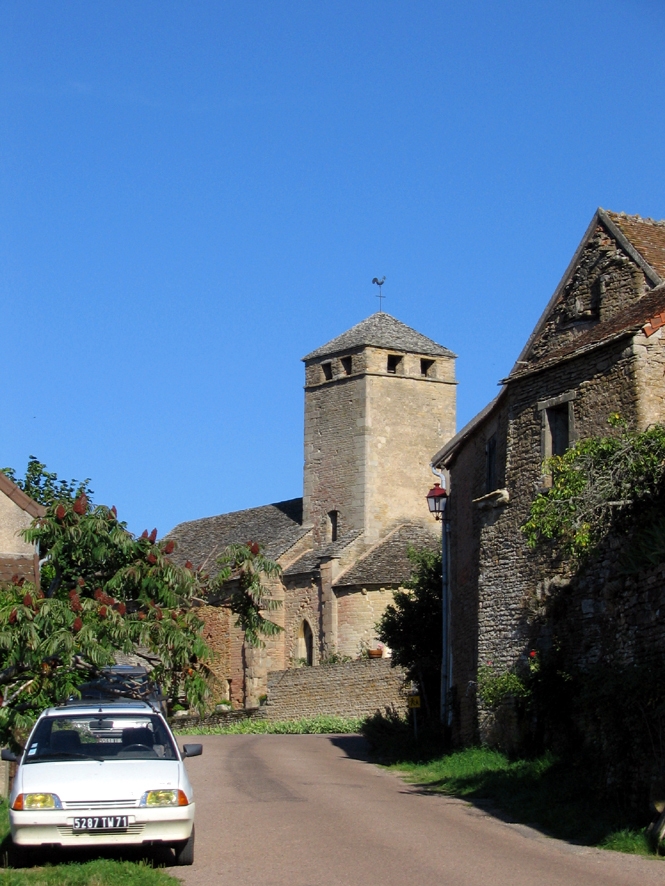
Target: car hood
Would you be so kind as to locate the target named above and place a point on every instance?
(90, 780)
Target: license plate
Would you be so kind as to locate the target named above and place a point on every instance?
(101, 823)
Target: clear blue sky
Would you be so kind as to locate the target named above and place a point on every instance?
(195, 195)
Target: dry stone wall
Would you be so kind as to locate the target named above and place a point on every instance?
(352, 689)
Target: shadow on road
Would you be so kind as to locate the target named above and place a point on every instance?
(354, 746)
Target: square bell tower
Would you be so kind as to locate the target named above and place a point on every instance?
(379, 399)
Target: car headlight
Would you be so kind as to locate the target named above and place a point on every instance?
(164, 798)
(32, 802)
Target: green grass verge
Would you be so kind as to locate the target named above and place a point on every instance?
(102, 872)
(307, 726)
(542, 792)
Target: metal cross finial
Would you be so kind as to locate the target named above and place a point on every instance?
(380, 296)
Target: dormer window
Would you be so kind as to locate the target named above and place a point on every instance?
(394, 364)
(427, 367)
(327, 371)
(347, 365)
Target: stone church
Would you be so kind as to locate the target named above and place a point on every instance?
(379, 399)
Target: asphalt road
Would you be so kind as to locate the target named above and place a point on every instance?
(307, 810)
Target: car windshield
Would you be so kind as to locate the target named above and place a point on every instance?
(100, 737)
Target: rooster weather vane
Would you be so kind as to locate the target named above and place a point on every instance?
(380, 296)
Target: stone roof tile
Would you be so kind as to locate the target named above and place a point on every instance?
(646, 235)
(309, 561)
(387, 563)
(381, 331)
(276, 527)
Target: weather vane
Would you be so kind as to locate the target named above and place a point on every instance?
(380, 296)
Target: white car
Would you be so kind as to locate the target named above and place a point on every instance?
(103, 774)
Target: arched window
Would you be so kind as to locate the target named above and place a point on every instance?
(305, 643)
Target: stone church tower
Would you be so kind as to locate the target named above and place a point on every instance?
(376, 399)
(379, 399)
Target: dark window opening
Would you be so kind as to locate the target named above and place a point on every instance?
(347, 365)
(394, 363)
(426, 367)
(490, 464)
(333, 525)
(305, 645)
(557, 420)
(327, 371)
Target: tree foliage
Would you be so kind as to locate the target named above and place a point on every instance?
(44, 486)
(106, 591)
(600, 483)
(240, 586)
(411, 625)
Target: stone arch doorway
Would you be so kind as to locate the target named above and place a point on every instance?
(305, 643)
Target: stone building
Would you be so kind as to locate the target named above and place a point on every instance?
(17, 510)
(378, 400)
(597, 349)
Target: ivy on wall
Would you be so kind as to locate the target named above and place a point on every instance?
(615, 482)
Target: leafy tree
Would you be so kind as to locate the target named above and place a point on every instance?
(615, 482)
(411, 626)
(240, 586)
(107, 591)
(44, 486)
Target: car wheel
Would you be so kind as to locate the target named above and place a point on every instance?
(184, 852)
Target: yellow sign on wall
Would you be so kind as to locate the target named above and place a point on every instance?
(414, 701)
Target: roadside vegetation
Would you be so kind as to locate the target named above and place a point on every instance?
(101, 872)
(550, 794)
(322, 725)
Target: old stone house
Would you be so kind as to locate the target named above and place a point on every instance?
(378, 400)
(17, 511)
(597, 349)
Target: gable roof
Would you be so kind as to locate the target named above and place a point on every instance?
(18, 496)
(311, 560)
(381, 331)
(628, 321)
(641, 238)
(276, 527)
(387, 562)
(646, 235)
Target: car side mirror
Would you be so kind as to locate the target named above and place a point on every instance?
(8, 756)
(190, 750)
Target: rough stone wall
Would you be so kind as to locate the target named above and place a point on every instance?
(354, 689)
(467, 481)
(363, 428)
(510, 574)
(358, 611)
(650, 378)
(407, 419)
(604, 281)
(301, 603)
(334, 455)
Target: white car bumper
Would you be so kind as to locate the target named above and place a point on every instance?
(56, 827)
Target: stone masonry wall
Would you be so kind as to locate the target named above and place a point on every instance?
(603, 383)
(354, 689)
(509, 573)
(358, 611)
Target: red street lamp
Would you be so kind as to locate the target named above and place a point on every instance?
(437, 499)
